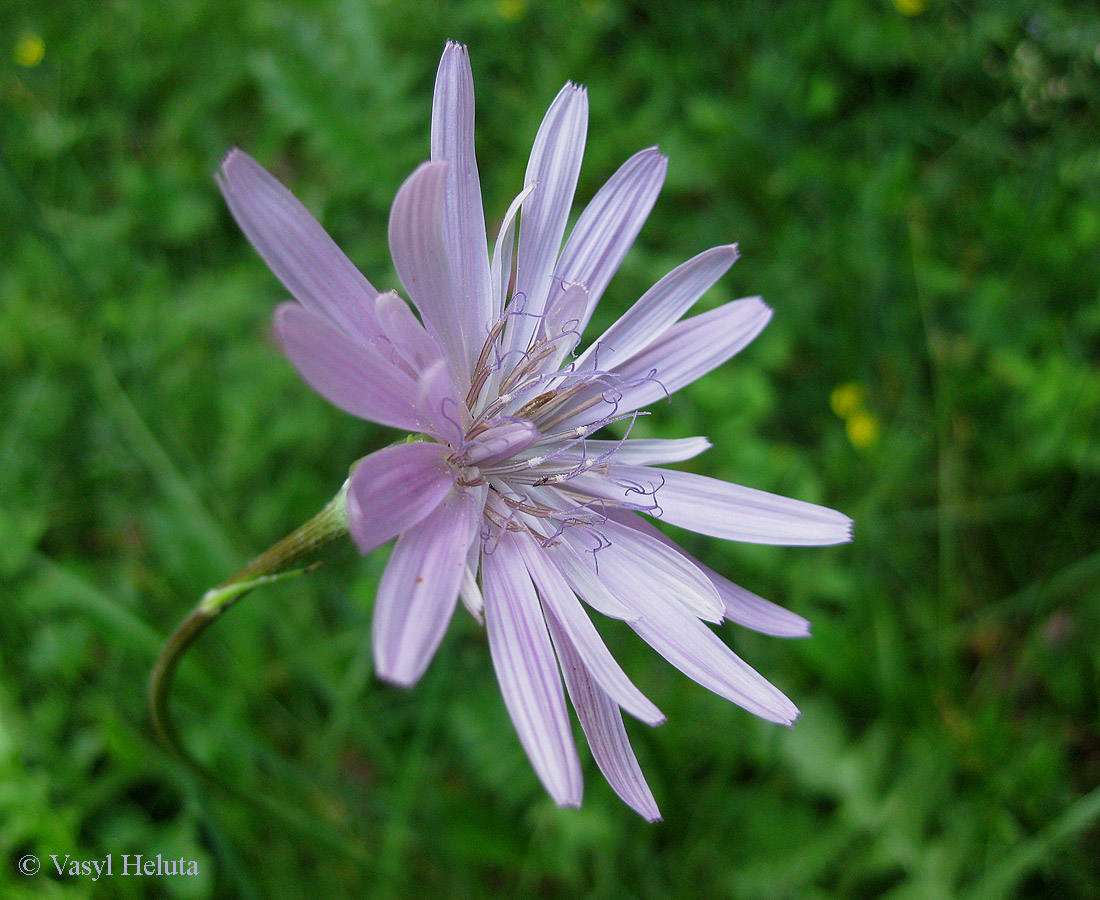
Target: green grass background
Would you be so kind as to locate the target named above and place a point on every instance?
(916, 191)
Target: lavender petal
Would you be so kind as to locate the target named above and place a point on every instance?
(562, 324)
(659, 308)
(470, 591)
(690, 645)
(755, 612)
(419, 589)
(362, 382)
(603, 728)
(441, 413)
(463, 216)
(422, 261)
(567, 559)
(564, 609)
(643, 451)
(500, 269)
(742, 606)
(582, 580)
(700, 654)
(527, 671)
(607, 227)
(553, 169)
(395, 488)
(665, 572)
(685, 352)
(403, 329)
(296, 247)
(720, 509)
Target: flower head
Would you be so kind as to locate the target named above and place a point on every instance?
(511, 501)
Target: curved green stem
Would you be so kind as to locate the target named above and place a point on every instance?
(271, 565)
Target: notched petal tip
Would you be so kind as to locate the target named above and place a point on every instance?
(780, 712)
(840, 527)
(229, 156)
(236, 164)
(653, 152)
(224, 173)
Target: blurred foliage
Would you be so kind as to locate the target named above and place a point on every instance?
(915, 190)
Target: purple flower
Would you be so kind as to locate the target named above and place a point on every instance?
(510, 502)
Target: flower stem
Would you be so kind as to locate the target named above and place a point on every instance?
(270, 566)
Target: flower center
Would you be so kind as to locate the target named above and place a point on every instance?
(531, 418)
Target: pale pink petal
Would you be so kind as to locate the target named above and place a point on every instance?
(523, 658)
(553, 168)
(296, 248)
(607, 227)
(718, 508)
(419, 588)
(395, 488)
(603, 728)
(421, 258)
(359, 380)
(463, 215)
(659, 308)
(562, 606)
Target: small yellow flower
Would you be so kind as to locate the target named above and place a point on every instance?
(862, 429)
(29, 50)
(847, 399)
(512, 10)
(911, 7)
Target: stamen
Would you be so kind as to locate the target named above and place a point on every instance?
(481, 370)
